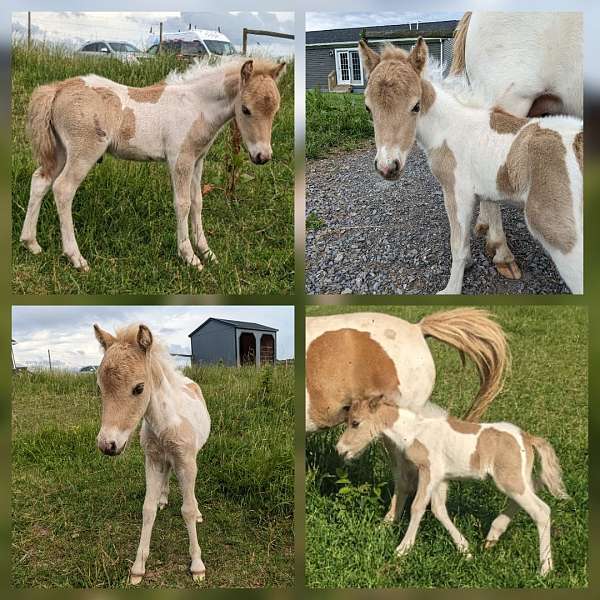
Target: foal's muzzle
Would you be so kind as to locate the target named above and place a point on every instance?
(390, 171)
(109, 448)
(260, 158)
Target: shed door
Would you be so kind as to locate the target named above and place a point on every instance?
(348, 67)
(267, 349)
(247, 349)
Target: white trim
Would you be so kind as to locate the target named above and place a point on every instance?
(355, 44)
(338, 72)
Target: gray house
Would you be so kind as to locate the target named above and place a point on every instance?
(333, 62)
(233, 343)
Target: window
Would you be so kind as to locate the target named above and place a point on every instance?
(90, 48)
(348, 67)
(219, 47)
(123, 47)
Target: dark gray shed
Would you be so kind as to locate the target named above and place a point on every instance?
(233, 343)
(335, 50)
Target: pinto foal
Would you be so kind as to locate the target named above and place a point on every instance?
(138, 381)
(480, 153)
(443, 449)
(73, 123)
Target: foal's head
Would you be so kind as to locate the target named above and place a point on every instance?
(393, 97)
(367, 418)
(256, 106)
(125, 384)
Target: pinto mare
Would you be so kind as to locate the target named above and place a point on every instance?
(350, 356)
(476, 151)
(138, 382)
(72, 123)
(537, 72)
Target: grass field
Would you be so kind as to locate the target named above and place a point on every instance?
(335, 122)
(123, 211)
(348, 546)
(76, 514)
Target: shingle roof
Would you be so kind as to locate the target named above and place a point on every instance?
(237, 324)
(352, 34)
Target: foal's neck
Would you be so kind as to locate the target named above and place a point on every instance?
(215, 97)
(403, 431)
(162, 411)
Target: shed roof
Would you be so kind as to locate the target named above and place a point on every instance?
(352, 34)
(236, 324)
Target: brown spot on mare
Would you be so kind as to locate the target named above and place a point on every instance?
(150, 94)
(499, 454)
(537, 162)
(546, 104)
(343, 366)
(463, 426)
(443, 166)
(578, 149)
(503, 122)
(390, 333)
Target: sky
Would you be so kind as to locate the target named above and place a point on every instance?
(75, 28)
(67, 330)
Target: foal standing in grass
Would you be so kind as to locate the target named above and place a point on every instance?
(72, 123)
(478, 153)
(444, 449)
(138, 381)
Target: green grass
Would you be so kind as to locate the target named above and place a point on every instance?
(348, 546)
(123, 211)
(335, 122)
(76, 514)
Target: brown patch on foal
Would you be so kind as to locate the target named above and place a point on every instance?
(418, 454)
(427, 95)
(578, 149)
(499, 454)
(546, 104)
(193, 389)
(443, 166)
(503, 122)
(463, 426)
(150, 94)
(342, 366)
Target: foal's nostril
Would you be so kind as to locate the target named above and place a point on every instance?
(396, 166)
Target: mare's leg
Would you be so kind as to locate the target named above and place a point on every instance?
(459, 207)
(404, 474)
(79, 161)
(489, 222)
(417, 510)
(41, 182)
(439, 509)
(181, 175)
(156, 474)
(500, 523)
(198, 237)
(186, 474)
(164, 494)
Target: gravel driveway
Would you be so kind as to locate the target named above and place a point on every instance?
(366, 235)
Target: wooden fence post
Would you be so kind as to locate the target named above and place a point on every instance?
(28, 30)
(160, 38)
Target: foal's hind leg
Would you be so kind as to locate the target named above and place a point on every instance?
(198, 237)
(78, 165)
(41, 182)
(489, 222)
(501, 523)
(439, 509)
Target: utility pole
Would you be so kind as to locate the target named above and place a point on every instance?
(160, 38)
(49, 359)
(28, 30)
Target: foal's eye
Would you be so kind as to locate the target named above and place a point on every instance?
(417, 107)
(355, 424)
(245, 110)
(138, 389)
(346, 408)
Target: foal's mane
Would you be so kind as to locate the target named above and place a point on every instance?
(201, 68)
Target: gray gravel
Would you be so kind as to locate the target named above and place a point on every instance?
(366, 235)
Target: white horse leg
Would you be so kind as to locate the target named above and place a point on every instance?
(439, 509)
(489, 222)
(181, 174)
(459, 207)
(500, 523)
(186, 474)
(41, 182)
(155, 481)
(198, 237)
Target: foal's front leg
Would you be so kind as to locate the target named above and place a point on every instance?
(404, 481)
(181, 175)
(459, 207)
(198, 237)
(186, 474)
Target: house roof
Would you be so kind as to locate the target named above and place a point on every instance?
(352, 34)
(236, 324)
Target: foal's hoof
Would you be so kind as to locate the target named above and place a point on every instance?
(199, 576)
(32, 246)
(80, 263)
(490, 544)
(509, 270)
(162, 504)
(199, 518)
(135, 579)
(209, 256)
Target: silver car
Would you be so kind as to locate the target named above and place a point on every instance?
(122, 50)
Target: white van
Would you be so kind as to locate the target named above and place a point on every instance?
(197, 42)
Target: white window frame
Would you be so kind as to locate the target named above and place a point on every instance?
(338, 69)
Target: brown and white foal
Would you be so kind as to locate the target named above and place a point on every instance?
(139, 382)
(444, 449)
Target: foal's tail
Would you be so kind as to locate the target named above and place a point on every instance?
(39, 126)
(551, 473)
(472, 332)
(458, 51)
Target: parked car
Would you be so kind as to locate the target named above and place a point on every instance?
(195, 43)
(88, 369)
(122, 50)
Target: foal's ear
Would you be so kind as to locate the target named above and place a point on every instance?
(106, 339)
(144, 338)
(375, 402)
(246, 71)
(418, 55)
(278, 71)
(369, 57)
